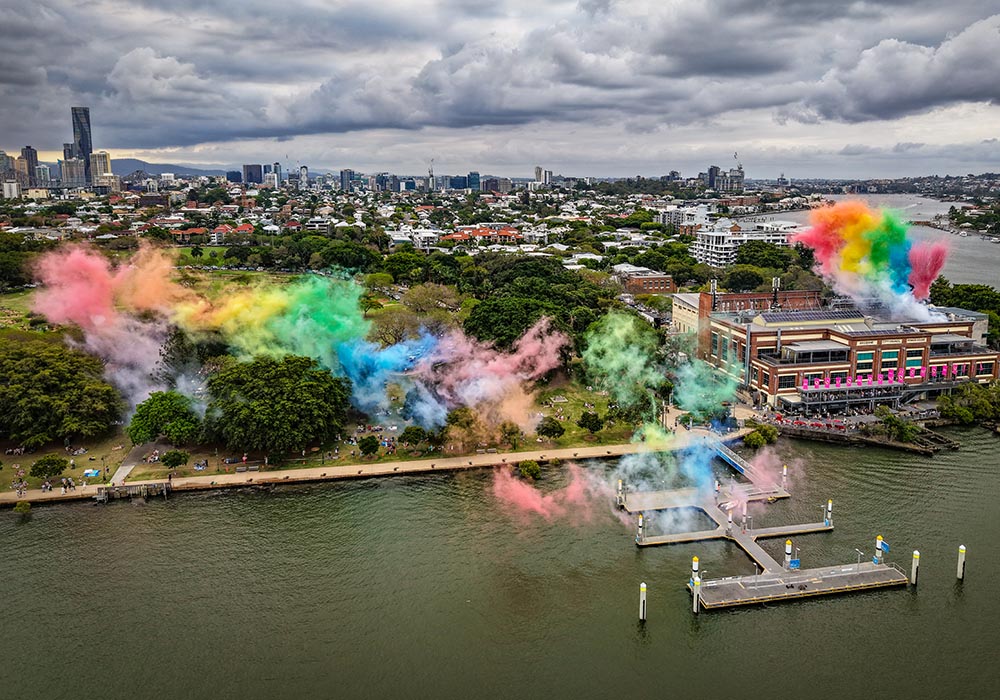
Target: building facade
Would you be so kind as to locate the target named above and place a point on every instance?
(831, 360)
(717, 246)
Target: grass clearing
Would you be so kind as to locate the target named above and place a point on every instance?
(107, 451)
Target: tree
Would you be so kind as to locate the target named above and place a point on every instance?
(275, 406)
(196, 251)
(368, 445)
(510, 434)
(529, 469)
(763, 254)
(369, 303)
(48, 467)
(549, 427)
(174, 458)
(413, 435)
(503, 320)
(23, 508)
(424, 298)
(754, 440)
(51, 392)
(742, 278)
(591, 422)
(167, 413)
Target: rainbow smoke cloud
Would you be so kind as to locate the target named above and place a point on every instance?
(869, 255)
(125, 315)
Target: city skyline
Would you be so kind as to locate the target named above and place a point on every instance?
(589, 88)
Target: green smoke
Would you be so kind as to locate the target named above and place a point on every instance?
(621, 357)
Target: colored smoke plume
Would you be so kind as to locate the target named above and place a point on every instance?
(700, 389)
(81, 288)
(576, 500)
(621, 357)
(461, 371)
(126, 313)
(870, 256)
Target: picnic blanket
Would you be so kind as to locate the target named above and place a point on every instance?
(91, 472)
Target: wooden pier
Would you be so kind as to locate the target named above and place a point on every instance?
(143, 490)
(772, 587)
(774, 582)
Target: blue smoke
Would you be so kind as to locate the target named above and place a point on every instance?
(372, 368)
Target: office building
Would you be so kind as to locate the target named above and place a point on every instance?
(458, 182)
(538, 173)
(234, 176)
(474, 181)
(30, 156)
(717, 246)
(276, 169)
(271, 180)
(73, 172)
(303, 177)
(253, 174)
(546, 177)
(346, 176)
(643, 280)
(100, 165)
(11, 189)
(83, 144)
(42, 175)
(22, 174)
(6, 165)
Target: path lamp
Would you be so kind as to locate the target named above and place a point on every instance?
(860, 554)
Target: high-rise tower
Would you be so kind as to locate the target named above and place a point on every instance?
(83, 144)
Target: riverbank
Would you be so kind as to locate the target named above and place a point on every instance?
(681, 440)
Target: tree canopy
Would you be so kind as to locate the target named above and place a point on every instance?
(166, 413)
(275, 406)
(51, 392)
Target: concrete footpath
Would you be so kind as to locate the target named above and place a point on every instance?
(330, 472)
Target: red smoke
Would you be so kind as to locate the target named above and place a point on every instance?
(926, 261)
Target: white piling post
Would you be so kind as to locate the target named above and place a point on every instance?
(638, 534)
(961, 562)
(829, 512)
(729, 525)
(915, 568)
(784, 476)
(878, 548)
(621, 497)
(696, 598)
(694, 569)
(745, 516)
(642, 602)
(788, 554)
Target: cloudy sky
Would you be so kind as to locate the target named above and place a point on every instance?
(584, 87)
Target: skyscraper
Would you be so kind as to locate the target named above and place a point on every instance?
(345, 179)
(83, 144)
(253, 174)
(68, 151)
(303, 177)
(73, 172)
(31, 156)
(538, 173)
(474, 180)
(277, 171)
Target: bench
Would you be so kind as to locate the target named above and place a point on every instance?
(254, 468)
(240, 469)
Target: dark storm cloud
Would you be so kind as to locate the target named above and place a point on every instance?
(162, 73)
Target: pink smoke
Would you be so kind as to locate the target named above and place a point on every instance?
(81, 288)
(926, 262)
(467, 372)
(576, 499)
(78, 289)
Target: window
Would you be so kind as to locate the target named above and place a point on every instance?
(715, 344)
(987, 368)
(914, 352)
(786, 381)
(865, 362)
(724, 349)
(890, 355)
(890, 364)
(835, 375)
(765, 379)
(915, 362)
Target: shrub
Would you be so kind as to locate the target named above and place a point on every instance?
(754, 440)
(529, 469)
(174, 458)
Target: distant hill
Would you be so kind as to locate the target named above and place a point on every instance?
(127, 166)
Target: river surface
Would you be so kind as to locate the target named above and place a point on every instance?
(427, 587)
(971, 260)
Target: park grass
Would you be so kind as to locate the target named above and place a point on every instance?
(577, 397)
(15, 308)
(97, 448)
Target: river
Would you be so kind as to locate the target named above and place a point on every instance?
(971, 260)
(426, 586)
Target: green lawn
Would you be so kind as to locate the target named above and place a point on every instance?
(112, 447)
(14, 308)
